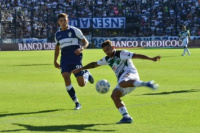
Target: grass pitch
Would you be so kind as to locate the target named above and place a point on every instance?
(33, 97)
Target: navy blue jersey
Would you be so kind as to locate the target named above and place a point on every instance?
(68, 40)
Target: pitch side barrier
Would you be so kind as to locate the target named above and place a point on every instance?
(117, 44)
(156, 40)
(27, 46)
(154, 44)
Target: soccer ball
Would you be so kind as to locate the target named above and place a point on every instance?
(102, 86)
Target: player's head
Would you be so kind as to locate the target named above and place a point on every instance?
(63, 20)
(183, 27)
(108, 48)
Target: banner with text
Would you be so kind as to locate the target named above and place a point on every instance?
(24, 40)
(132, 44)
(98, 40)
(27, 46)
(98, 23)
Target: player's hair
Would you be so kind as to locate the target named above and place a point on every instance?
(63, 15)
(183, 25)
(106, 43)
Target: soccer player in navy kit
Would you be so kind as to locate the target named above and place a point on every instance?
(68, 39)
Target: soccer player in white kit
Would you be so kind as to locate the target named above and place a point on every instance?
(184, 36)
(126, 73)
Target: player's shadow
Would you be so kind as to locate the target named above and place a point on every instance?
(33, 65)
(25, 113)
(64, 128)
(173, 92)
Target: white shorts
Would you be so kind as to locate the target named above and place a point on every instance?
(125, 77)
(185, 42)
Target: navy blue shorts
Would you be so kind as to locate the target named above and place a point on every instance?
(69, 67)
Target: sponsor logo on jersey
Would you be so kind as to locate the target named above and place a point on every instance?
(59, 36)
(125, 53)
(69, 34)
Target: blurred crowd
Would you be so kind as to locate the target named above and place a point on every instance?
(37, 18)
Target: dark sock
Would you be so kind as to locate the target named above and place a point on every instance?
(72, 94)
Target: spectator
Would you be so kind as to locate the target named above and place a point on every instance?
(158, 18)
(9, 18)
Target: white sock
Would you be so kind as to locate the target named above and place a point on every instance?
(86, 76)
(76, 100)
(69, 87)
(138, 83)
(188, 50)
(124, 111)
(184, 50)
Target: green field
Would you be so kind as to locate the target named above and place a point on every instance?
(33, 97)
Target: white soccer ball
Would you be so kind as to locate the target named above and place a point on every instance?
(102, 86)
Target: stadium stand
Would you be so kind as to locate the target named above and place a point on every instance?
(37, 18)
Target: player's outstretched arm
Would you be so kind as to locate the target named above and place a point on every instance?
(140, 56)
(179, 37)
(85, 43)
(88, 66)
(56, 54)
(189, 37)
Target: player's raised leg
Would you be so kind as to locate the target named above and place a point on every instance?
(83, 77)
(88, 76)
(128, 79)
(70, 89)
(137, 83)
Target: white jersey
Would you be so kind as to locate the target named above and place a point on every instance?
(121, 62)
(184, 34)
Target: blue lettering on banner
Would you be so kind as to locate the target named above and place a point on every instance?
(94, 21)
(100, 24)
(114, 23)
(103, 22)
(73, 22)
(84, 22)
(123, 22)
(106, 23)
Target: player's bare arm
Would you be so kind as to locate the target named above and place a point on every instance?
(189, 37)
(88, 66)
(140, 56)
(56, 54)
(84, 45)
